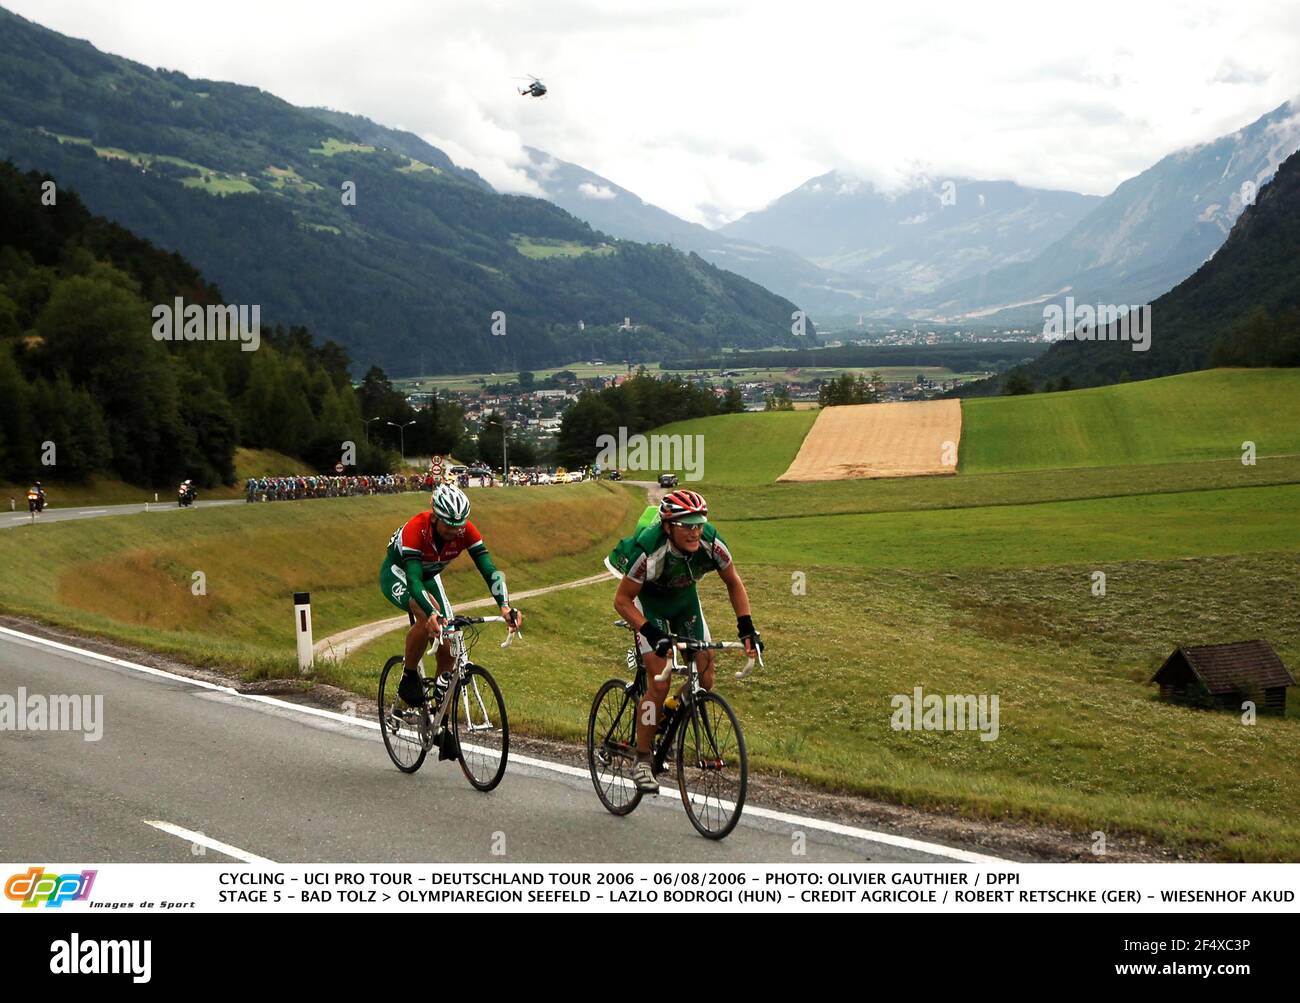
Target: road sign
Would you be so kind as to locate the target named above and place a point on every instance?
(338, 468)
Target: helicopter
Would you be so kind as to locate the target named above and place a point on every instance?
(536, 89)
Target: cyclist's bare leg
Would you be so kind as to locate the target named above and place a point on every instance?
(418, 637)
(650, 710)
(445, 660)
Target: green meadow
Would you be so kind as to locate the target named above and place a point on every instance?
(1085, 537)
(991, 582)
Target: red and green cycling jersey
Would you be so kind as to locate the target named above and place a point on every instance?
(417, 555)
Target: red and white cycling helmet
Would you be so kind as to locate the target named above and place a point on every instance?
(686, 508)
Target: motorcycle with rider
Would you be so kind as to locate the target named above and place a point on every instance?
(36, 498)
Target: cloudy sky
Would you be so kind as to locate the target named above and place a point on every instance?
(711, 108)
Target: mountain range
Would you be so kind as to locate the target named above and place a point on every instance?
(1241, 307)
(1144, 238)
(613, 209)
(958, 249)
(425, 262)
(906, 243)
(415, 273)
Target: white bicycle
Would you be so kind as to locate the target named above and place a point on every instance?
(472, 711)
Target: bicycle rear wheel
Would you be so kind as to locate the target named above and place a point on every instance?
(712, 766)
(611, 747)
(478, 716)
(400, 724)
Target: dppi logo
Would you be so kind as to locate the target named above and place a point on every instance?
(35, 887)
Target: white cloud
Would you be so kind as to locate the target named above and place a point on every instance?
(1232, 72)
(713, 108)
(588, 190)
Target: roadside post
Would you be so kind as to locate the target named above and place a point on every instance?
(302, 624)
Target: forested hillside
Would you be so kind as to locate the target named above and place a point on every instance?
(87, 386)
(395, 258)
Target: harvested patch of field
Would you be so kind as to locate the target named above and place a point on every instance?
(880, 440)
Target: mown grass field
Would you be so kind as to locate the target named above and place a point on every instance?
(1194, 416)
(1083, 742)
(983, 584)
(894, 494)
(977, 584)
(331, 147)
(891, 374)
(1139, 527)
(211, 181)
(542, 247)
(741, 450)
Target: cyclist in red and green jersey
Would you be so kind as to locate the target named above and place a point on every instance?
(410, 578)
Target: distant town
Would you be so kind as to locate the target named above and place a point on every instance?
(533, 404)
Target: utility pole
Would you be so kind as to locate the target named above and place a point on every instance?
(505, 454)
(402, 431)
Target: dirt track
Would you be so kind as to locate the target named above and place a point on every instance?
(338, 646)
(880, 440)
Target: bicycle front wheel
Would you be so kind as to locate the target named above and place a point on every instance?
(712, 767)
(481, 728)
(611, 747)
(400, 724)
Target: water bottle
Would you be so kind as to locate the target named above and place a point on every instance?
(671, 705)
(440, 688)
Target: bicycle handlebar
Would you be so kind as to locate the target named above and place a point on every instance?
(690, 644)
(460, 622)
(683, 644)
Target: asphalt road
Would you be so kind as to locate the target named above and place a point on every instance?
(290, 784)
(23, 518)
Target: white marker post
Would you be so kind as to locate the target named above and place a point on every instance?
(302, 623)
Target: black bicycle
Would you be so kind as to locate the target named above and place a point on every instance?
(702, 735)
(472, 711)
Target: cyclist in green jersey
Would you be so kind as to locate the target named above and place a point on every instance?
(660, 565)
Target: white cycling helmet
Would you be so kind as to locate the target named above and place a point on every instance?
(450, 504)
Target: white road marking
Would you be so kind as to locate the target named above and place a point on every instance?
(200, 839)
(801, 821)
(93, 511)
